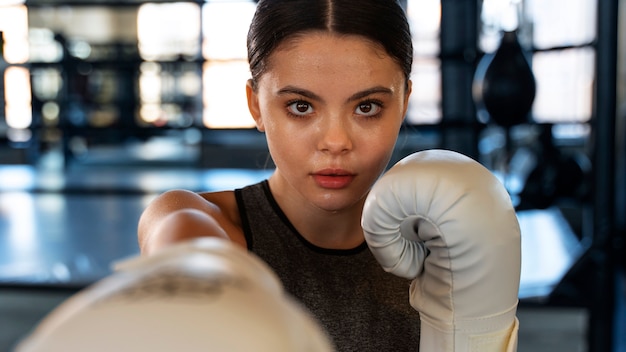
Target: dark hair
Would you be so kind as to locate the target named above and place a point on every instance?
(381, 21)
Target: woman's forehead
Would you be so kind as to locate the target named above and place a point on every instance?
(307, 37)
(332, 65)
(318, 51)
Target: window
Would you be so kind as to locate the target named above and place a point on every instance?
(225, 28)
(14, 80)
(425, 102)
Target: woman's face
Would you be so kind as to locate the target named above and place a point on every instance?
(331, 108)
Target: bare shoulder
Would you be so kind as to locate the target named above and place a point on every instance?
(226, 213)
(225, 203)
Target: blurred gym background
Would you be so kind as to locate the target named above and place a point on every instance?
(105, 104)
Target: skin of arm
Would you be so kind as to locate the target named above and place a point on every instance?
(180, 215)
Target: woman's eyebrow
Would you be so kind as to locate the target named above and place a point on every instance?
(299, 91)
(368, 92)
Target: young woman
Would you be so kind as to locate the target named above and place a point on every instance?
(329, 88)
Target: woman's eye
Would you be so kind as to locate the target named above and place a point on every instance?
(300, 108)
(368, 108)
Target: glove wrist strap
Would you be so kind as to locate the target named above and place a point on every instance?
(495, 333)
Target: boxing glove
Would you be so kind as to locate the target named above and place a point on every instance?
(203, 295)
(443, 220)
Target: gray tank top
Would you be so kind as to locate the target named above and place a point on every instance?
(362, 307)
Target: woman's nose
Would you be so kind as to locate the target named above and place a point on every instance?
(335, 136)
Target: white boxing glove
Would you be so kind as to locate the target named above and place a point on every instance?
(445, 221)
(203, 295)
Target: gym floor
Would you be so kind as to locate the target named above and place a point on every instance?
(61, 229)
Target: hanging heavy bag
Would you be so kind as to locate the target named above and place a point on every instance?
(504, 84)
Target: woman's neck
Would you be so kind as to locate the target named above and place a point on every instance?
(340, 229)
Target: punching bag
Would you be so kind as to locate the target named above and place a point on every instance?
(504, 84)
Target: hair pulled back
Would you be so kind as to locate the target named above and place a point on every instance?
(381, 21)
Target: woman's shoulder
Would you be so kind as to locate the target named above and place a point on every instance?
(226, 212)
(224, 201)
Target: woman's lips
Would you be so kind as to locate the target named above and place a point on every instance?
(333, 179)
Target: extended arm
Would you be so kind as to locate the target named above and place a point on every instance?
(180, 215)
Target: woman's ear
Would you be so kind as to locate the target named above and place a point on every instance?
(407, 95)
(253, 105)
